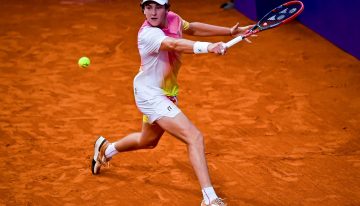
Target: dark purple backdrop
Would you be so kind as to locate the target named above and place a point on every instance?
(335, 20)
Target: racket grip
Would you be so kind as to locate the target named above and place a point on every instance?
(234, 41)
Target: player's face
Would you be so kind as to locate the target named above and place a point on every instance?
(155, 14)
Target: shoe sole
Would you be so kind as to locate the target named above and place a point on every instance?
(95, 163)
(211, 204)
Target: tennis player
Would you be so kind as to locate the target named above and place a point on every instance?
(160, 45)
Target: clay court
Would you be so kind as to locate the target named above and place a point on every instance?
(280, 116)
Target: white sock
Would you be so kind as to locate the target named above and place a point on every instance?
(110, 151)
(209, 194)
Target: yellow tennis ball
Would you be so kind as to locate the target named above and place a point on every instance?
(84, 62)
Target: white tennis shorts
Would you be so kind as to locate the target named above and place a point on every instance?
(155, 109)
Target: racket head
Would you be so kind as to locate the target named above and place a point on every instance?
(280, 15)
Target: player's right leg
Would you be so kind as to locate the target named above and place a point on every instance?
(148, 138)
(182, 128)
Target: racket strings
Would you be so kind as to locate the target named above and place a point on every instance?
(278, 15)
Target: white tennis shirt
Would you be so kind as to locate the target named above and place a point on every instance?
(158, 70)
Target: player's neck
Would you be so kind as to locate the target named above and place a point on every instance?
(164, 23)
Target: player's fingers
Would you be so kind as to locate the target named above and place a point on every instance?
(218, 51)
(248, 40)
(223, 48)
(253, 35)
(250, 26)
(236, 25)
(217, 48)
(234, 29)
(246, 29)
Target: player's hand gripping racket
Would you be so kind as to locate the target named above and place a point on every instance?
(276, 17)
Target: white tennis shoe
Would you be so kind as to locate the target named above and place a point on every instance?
(216, 202)
(99, 155)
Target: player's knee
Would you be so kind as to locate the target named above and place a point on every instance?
(197, 138)
(148, 144)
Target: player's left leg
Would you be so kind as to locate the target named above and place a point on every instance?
(148, 138)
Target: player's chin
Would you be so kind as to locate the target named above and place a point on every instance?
(154, 22)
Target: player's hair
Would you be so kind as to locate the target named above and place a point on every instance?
(167, 6)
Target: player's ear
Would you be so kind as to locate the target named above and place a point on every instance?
(142, 8)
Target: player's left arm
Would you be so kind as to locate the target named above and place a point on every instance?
(203, 29)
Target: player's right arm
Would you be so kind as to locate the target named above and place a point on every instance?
(187, 46)
(179, 45)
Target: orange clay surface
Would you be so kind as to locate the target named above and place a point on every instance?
(280, 116)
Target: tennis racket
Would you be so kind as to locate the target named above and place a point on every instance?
(276, 17)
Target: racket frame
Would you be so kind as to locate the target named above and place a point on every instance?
(257, 28)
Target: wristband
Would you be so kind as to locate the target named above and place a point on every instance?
(201, 47)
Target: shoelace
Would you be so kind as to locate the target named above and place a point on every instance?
(105, 161)
(219, 202)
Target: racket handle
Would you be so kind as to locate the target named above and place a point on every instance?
(234, 41)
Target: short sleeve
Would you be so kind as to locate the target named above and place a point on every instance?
(185, 25)
(149, 40)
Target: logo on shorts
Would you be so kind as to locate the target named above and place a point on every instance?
(169, 108)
